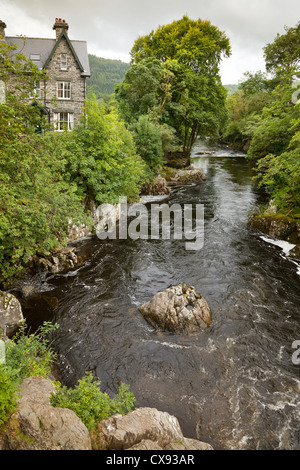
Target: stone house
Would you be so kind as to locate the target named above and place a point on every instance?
(66, 63)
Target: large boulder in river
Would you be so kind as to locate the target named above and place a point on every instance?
(179, 309)
(36, 425)
(11, 315)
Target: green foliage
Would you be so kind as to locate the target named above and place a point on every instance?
(265, 116)
(45, 180)
(101, 156)
(29, 354)
(26, 355)
(148, 140)
(89, 403)
(7, 394)
(280, 174)
(20, 76)
(245, 107)
(174, 78)
(36, 199)
(276, 126)
(284, 51)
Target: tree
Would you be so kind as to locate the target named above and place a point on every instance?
(284, 51)
(245, 107)
(175, 74)
(19, 76)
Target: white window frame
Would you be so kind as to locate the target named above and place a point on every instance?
(63, 90)
(63, 121)
(63, 61)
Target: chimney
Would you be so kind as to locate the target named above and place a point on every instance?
(2, 29)
(59, 26)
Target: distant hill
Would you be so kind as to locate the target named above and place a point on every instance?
(231, 89)
(104, 74)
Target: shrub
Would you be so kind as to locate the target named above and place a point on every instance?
(29, 354)
(26, 355)
(89, 403)
(7, 394)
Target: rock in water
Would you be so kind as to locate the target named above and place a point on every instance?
(178, 309)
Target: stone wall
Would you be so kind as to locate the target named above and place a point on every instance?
(72, 75)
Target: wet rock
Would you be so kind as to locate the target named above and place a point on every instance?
(27, 291)
(188, 175)
(178, 309)
(146, 429)
(278, 227)
(11, 315)
(122, 432)
(274, 225)
(36, 425)
(158, 187)
(189, 444)
(146, 444)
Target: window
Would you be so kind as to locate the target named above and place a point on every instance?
(63, 62)
(63, 121)
(35, 57)
(64, 90)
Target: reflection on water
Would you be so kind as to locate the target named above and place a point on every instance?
(234, 385)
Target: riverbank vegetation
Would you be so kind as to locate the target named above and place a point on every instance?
(174, 80)
(171, 93)
(30, 355)
(265, 121)
(48, 178)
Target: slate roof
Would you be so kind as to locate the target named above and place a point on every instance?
(45, 47)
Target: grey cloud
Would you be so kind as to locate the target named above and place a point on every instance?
(111, 26)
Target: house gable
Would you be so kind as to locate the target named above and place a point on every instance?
(66, 64)
(64, 35)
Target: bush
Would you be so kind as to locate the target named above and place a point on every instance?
(89, 403)
(101, 157)
(7, 394)
(26, 355)
(29, 354)
(148, 139)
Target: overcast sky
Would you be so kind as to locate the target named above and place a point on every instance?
(110, 27)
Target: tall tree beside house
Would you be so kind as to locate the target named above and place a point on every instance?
(188, 94)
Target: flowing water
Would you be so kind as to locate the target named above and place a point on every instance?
(234, 385)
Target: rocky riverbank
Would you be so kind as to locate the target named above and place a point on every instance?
(36, 425)
(278, 227)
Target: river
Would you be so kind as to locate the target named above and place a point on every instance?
(234, 385)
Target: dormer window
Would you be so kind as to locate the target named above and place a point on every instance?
(63, 62)
(35, 57)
